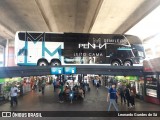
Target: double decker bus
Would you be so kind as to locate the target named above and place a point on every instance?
(46, 48)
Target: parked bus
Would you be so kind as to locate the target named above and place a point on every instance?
(46, 48)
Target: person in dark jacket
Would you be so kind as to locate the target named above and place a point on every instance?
(54, 84)
(132, 95)
(127, 95)
(122, 94)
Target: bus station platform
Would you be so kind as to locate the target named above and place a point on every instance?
(93, 101)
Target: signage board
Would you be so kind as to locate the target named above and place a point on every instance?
(70, 70)
(56, 70)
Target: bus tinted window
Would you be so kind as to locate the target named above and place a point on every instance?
(21, 36)
(124, 53)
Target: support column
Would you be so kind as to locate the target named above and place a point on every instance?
(1, 56)
(10, 55)
(6, 54)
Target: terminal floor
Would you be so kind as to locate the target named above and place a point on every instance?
(94, 101)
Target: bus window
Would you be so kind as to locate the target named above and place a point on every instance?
(124, 53)
(21, 36)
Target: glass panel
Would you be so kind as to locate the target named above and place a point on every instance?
(140, 54)
(151, 92)
(151, 80)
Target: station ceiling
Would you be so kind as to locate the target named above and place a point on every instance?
(94, 16)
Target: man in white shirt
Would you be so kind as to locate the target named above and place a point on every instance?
(14, 92)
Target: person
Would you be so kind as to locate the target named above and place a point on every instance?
(122, 91)
(21, 89)
(111, 97)
(39, 84)
(61, 93)
(117, 92)
(35, 83)
(93, 81)
(97, 85)
(99, 82)
(86, 86)
(13, 93)
(32, 83)
(81, 93)
(132, 95)
(66, 93)
(127, 95)
(54, 84)
(43, 85)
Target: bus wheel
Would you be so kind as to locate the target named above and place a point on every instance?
(115, 63)
(42, 63)
(55, 63)
(127, 63)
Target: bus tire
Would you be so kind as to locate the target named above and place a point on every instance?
(127, 63)
(42, 62)
(55, 63)
(115, 63)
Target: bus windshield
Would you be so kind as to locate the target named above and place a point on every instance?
(138, 53)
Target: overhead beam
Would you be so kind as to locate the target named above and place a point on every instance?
(24, 71)
(95, 14)
(6, 32)
(144, 9)
(112, 14)
(39, 6)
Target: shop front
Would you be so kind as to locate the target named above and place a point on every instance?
(133, 81)
(152, 87)
(1, 89)
(5, 85)
(152, 80)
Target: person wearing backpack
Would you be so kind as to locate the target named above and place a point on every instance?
(111, 97)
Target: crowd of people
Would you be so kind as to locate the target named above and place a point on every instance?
(38, 83)
(62, 87)
(65, 88)
(126, 94)
(16, 89)
(118, 92)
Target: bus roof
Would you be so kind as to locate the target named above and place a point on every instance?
(70, 34)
